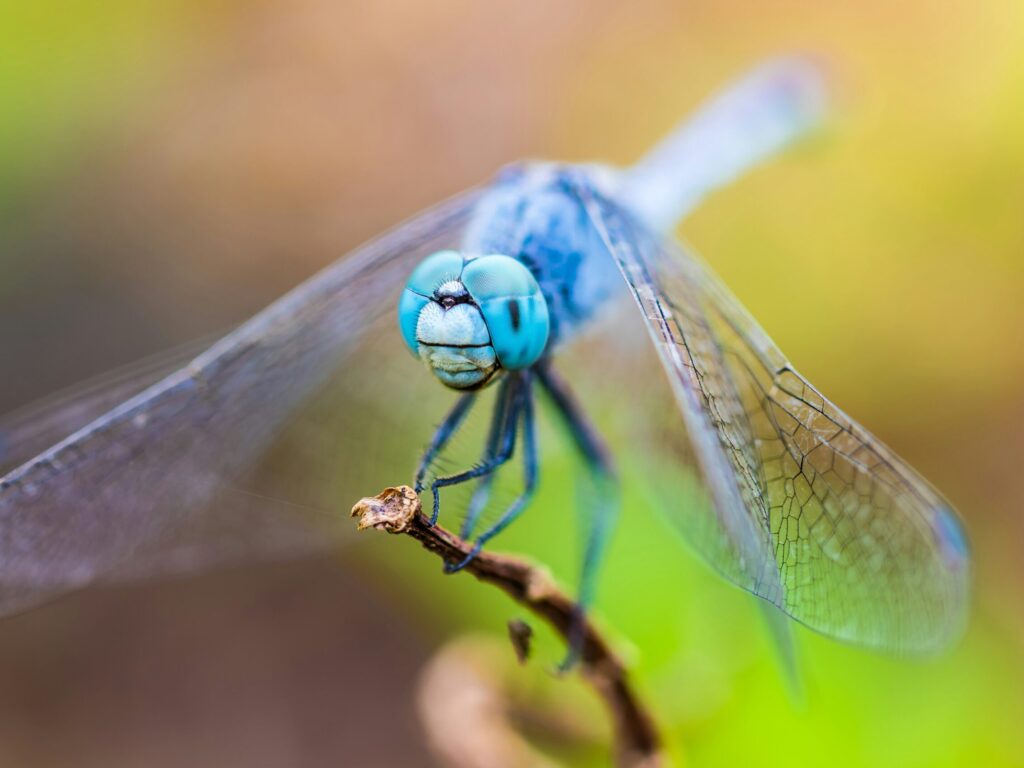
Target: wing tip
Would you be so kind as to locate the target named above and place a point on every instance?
(951, 538)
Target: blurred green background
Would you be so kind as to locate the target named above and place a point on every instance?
(167, 168)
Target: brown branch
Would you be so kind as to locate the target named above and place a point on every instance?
(398, 510)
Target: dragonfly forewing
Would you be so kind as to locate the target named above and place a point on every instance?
(165, 481)
(809, 511)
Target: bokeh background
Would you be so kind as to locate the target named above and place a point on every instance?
(168, 168)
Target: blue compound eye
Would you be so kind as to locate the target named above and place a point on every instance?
(513, 307)
(428, 276)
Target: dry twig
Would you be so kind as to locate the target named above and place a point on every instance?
(398, 510)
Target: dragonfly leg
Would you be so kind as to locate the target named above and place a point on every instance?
(529, 479)
(505, 452)
(443, 434)
(482, 493)
(600, 508)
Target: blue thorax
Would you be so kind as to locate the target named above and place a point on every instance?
(532, 215)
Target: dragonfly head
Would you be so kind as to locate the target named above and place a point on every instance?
(469, 318)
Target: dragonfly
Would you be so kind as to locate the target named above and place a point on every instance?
(164, 469)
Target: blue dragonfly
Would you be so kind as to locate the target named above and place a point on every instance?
(164, 469)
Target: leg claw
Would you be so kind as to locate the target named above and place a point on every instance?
(456, 567)
(577, 635)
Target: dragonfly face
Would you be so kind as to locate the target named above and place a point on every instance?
(470, 318)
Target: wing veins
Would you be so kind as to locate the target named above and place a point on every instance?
(856, 535)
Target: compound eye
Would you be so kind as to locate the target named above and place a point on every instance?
(513, 308)
(429, 275)
(434, 271)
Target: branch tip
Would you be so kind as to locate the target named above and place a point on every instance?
(392, 510)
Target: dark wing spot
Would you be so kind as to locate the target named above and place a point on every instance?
(513, 313)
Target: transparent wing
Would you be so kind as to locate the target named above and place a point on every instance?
(809, 511)
(244, 451)
(30, 430)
